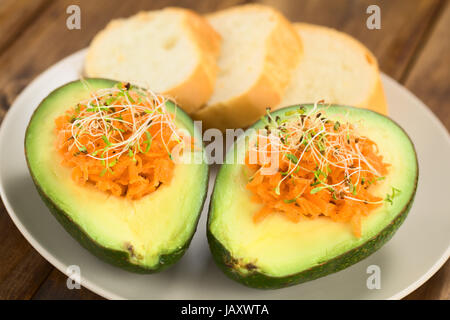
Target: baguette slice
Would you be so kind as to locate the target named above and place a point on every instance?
(260, 49)
(172, 51)
(336, 68)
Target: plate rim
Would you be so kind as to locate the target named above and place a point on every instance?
(111, 295)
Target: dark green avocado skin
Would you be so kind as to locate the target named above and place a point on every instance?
(115, 257)
(258, 280)
(255, 279)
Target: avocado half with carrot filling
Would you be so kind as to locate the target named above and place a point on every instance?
(343, 181)
(121, 170)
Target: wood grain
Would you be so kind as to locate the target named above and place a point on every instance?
(40, 47)
(16, 16)
(436, 288)
(22, 269)
(429, 79)
(412, 41)
(403, 23)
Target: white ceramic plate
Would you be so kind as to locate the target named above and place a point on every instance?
(416, 252)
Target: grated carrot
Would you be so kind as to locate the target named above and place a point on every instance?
(119, 140)
(325, 169)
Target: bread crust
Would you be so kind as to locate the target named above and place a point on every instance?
(376, 100)
(198, 88)
(194, 91)
(283, 52)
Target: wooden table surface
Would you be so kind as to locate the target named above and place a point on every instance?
(412, 47)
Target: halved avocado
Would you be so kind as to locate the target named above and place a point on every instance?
(277, 253)
(145, 235)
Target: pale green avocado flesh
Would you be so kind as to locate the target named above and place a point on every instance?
(144, 235)
(276, 252)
